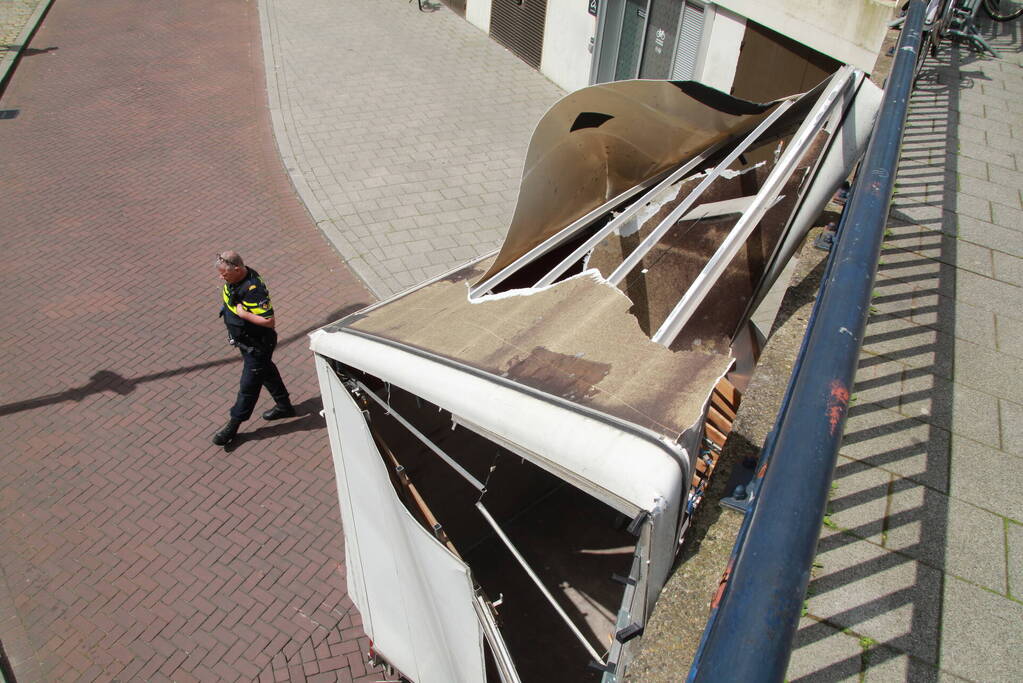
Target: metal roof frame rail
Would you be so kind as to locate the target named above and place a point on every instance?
(539, 584)
(655, 236)
(569, 231)
(625, 215)
(754, 616)
(473, 481)
(715, 266)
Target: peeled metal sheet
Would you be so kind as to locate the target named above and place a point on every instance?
(602, 140)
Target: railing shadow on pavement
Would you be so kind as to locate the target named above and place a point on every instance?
(882, 554)
(110, 380)
(875, 595)
(1004, 36)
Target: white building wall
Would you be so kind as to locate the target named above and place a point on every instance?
(477, 13)
(567, 46)
(850, 31)
(723, 40)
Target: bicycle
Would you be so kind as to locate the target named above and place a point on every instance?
(1003, 10)
(957, 19)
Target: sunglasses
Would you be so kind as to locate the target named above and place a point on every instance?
(221, 259)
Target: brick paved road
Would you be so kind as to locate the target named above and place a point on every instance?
(132, 548)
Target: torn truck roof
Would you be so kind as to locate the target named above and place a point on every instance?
(574, 340)
(592, 350)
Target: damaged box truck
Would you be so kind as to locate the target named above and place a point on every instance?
(519, 444)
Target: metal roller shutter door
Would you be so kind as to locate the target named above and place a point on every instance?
(518, 25)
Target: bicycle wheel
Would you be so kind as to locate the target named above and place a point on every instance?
(1003, 10)
(945, 20)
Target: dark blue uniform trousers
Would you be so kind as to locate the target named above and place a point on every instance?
(258, 370)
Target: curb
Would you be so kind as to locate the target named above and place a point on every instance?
(10, 61)
(289, 159)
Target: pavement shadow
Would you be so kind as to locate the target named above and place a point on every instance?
(111, 380)
(33, 51)
(308, 419)
(879, 573)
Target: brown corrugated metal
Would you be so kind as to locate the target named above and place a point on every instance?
(772, 65)
(456, 6)
(518, 25)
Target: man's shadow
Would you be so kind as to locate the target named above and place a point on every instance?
(308, 419)
(109, 380)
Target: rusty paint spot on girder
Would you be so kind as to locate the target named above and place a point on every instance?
(838, 403)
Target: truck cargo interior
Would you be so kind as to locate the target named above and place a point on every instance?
(576, 545)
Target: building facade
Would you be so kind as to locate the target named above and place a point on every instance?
(755, 49)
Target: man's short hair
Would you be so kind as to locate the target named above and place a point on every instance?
(231, 258)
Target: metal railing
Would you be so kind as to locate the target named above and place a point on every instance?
(754, 617)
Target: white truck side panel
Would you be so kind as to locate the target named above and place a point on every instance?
(623, 470)
(415, 597)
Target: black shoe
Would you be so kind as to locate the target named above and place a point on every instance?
(227, 432)
(279, 412)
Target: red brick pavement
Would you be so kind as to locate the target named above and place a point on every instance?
(133, 548)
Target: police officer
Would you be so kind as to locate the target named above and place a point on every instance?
(249, 317)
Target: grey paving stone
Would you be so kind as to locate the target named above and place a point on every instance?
(969, 132)
(974, 414)
(986, 477)
(966, 204)
(894, 290)
(898, 298)
(883, 595)
(925, 216)
(990, 371)
(970, 323)
(859, 498)
(1013, 118)
(1014, 558)
(906, 446)
(989, 155)
(983, 123)
(1008, 216)
(950, 406)
(996, 296)
(445, 98)
(878, 385)
(882, 664)
(971, 98)
(927, 260)
(1011, 414)
(1008, 268)
(823, 653)
(916, 346)
(946, 533)
(975, 258)
(972, 167)
(981, 636)
(1008, 240)
(1011, 181)
(1005, 143)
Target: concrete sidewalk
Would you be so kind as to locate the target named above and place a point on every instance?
(404, 131)
(920, 564)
